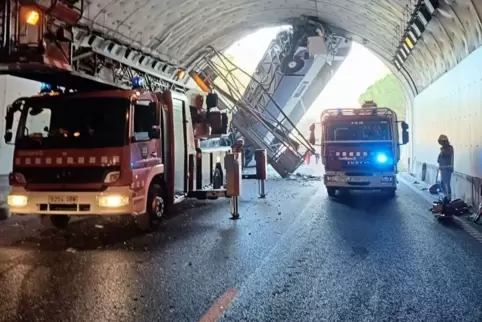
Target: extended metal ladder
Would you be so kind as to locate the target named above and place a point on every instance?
(278, 135)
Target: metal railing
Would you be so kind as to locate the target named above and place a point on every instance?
(250, 118)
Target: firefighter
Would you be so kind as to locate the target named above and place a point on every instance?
(446, 165)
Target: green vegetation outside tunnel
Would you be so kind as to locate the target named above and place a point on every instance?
(387, 92)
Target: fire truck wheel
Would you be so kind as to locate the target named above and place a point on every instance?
(60, 221)
(156, 205)
(331, 192)
(391, 193)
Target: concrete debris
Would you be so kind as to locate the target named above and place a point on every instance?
(305, 177)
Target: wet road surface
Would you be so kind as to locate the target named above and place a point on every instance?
(295, 256)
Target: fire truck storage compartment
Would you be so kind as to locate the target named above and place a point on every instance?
(211, 153)
(183, 145)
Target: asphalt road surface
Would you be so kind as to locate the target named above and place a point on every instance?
(295, 256)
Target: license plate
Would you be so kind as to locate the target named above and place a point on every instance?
(63, 199)
(357, 179)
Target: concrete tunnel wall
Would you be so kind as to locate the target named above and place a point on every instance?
(452, 105)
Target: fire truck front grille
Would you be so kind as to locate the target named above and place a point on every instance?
(65, 174)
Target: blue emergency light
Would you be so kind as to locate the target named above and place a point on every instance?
(44, 87)
(381, 158)
(138, 82)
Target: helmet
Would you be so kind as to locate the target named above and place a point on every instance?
(443, 137)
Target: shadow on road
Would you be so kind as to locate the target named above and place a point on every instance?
(90, 233)
(368, 201)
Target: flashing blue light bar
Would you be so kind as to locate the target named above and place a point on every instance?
(382, 158)
(44, 87)
(138, 82)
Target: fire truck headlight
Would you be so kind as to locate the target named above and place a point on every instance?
(331, 178)
(112, 177)
(387, 179)
(113, 201)
(382, 158)
(17, 201)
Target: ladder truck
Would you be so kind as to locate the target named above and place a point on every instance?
(134, 144)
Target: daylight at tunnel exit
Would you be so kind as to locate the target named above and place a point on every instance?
(297, 160)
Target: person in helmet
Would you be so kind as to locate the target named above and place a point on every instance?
(446, 165)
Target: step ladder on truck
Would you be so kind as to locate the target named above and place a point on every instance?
(360, 148)
(89, 146)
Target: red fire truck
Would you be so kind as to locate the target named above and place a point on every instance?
(111, 152)
(115, 132)
(360, 148)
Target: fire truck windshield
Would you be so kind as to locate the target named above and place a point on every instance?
(358, 131)
(73, 122)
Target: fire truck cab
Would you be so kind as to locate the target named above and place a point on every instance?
(361, 149)
(111, 152)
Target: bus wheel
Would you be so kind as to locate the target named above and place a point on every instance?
(331, 191)
(60, 221)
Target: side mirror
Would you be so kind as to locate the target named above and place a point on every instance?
(404, 125)
(405, 137)
(155, 133)
(8, 137)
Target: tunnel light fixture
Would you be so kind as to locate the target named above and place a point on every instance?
(406, 49)
(422, 18)
(430, 6)
(398, 64)
(409, 43)
(413, 39)
(416, 31)
(419, 19)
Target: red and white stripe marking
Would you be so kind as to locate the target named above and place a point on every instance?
(104, 160)
(352, 154)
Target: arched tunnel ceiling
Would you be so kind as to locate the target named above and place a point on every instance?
(176, 30)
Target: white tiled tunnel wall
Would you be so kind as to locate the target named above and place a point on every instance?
(452, 105)
(11, 88)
